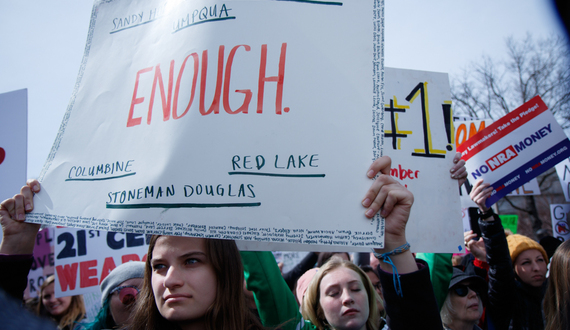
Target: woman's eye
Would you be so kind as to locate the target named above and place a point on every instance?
(158, 267)
(191, 261)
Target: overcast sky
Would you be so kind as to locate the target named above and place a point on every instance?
(42, 44)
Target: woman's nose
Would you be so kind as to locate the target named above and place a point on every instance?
(172, 278)
(347, 298)
(471, 293)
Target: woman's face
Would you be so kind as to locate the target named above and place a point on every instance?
(344, 300)
(530, 266)
(54, 306)
(122, 311)
(183, 279)
(376, 284)
(468, 307)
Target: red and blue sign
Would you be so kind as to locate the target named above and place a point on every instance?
(515, 149)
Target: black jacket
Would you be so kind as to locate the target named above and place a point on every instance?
(512, 304)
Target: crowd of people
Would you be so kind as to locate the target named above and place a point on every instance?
(197, 283)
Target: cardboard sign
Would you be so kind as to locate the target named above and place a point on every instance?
(516, 148)
(560, 223)
(466, 128)
(419, 137)
(13, 142)
(244, 120)
(510, 222)
(83, 258)
(563, 171)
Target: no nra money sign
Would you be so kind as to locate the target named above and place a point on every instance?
(516, 148)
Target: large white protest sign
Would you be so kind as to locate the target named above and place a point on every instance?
(516, 148)
(563, 171)
(13, 142)
(248, 120)
(419, 137)
(560, 224)
(83, 258)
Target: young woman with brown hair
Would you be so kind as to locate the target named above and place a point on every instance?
(193, 283)
(557, 297)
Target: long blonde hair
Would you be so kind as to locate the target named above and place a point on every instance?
(311, 306)
(75, 312)
(557, 298)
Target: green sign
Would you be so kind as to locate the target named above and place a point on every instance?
(510, 222)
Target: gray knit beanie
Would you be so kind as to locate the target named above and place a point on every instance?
(126, 271)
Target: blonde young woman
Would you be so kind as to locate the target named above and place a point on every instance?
(340, 295)
(66, 312)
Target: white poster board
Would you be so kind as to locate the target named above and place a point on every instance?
(563, 171)
(516, 148)
(560, 224)
(246, 120)
(13, 142)
(419, 137)
(83, 258)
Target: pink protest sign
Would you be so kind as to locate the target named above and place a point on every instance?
(43, 265)
(516, 148)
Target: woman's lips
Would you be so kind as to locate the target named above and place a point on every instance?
(350, 311)
(176, 297)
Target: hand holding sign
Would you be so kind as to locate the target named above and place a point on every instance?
(392, 199)
(479, 194)
(19, 236)
(394, 202)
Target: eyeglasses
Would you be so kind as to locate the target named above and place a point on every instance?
(127, 294)
(462, 290)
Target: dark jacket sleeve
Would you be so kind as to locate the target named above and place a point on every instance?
(417, 309)
(502, 286)
(304, 265)
(14, 271)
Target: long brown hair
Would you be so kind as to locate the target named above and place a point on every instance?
(229, 310)
(311, 306)
(75, 312)
(557, 298)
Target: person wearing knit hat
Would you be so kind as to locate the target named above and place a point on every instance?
(118, 294)
(303, 284)
(517, 270)
(529, 259)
